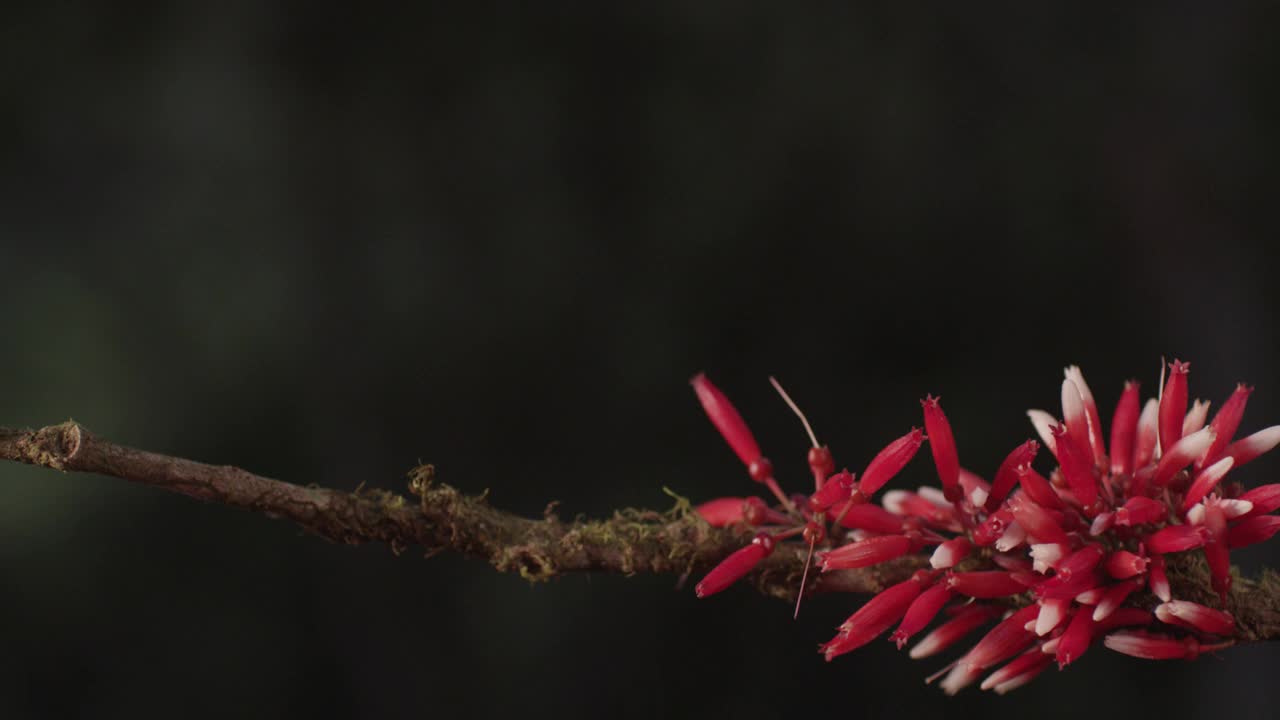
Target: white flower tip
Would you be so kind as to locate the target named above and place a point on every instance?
(933, 495)
(943, 557)
(978, 497)
(1195, 516)
(1235, 508)
(894, 501)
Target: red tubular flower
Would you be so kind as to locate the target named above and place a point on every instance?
(949, 553)
(1075, 418)
(1036, 520)
(1148, 435)
(1225, 424)
(1091, 414)
(1215, 551)
(986, 584)
(721, 511)
(1052, 613)
(1007, 476)
(921, 612)
(738, 564)
(1253, 530)
(1196, 617)
(943, 445)
(865, 553)
(756, 512)
(1149, 646)
(890, 461)
(1074, 574)
(1038, 488)
(874, 617)
(872, 518)
(905, 502)
(1173, 404)
(1177, 538)
(1018, 672)
(836, 489)
(1259, 443)
(1140, 511)
(1114, 597)
(1206, 481)
(950, 632)
(727, 420)
(1124, 429)
(1003, 642)
(1075, 641)
(994, 526)
(1265, 498)
(1158, 579)
(1123, 564)
(1182, 454)
(1076, 467)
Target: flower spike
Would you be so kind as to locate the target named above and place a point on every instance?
(1062, 557)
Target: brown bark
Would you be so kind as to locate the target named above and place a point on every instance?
(676, 542)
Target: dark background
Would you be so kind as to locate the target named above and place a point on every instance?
(325, 244)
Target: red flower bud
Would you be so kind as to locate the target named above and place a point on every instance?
(1149, 646)
(950, 632)
(873, 618)
(890, 461)
(738, 564)
(1037, 521)
(1123, 564)
(943, 445)
(1076, 467)
(1194, 616)
(1124, 429)
(921, 612)
(986, 584)
(721, 511)
(1075, 641)
(1177, 538)
(1252, 530)
(1265, 499)
(872, 518)
(1140, 511)
(1007, 475)
(836, 489)
(1173, 404)
(727, 420)
(865, 553)
(1225, 424)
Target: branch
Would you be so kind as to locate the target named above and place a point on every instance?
(632, 541)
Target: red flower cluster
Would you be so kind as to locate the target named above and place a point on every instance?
(1054, 559)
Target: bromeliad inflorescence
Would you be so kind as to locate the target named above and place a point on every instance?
(1056, 562)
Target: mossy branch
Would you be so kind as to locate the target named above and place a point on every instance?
(437, 518)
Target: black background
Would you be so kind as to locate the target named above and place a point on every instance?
(325, 244)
